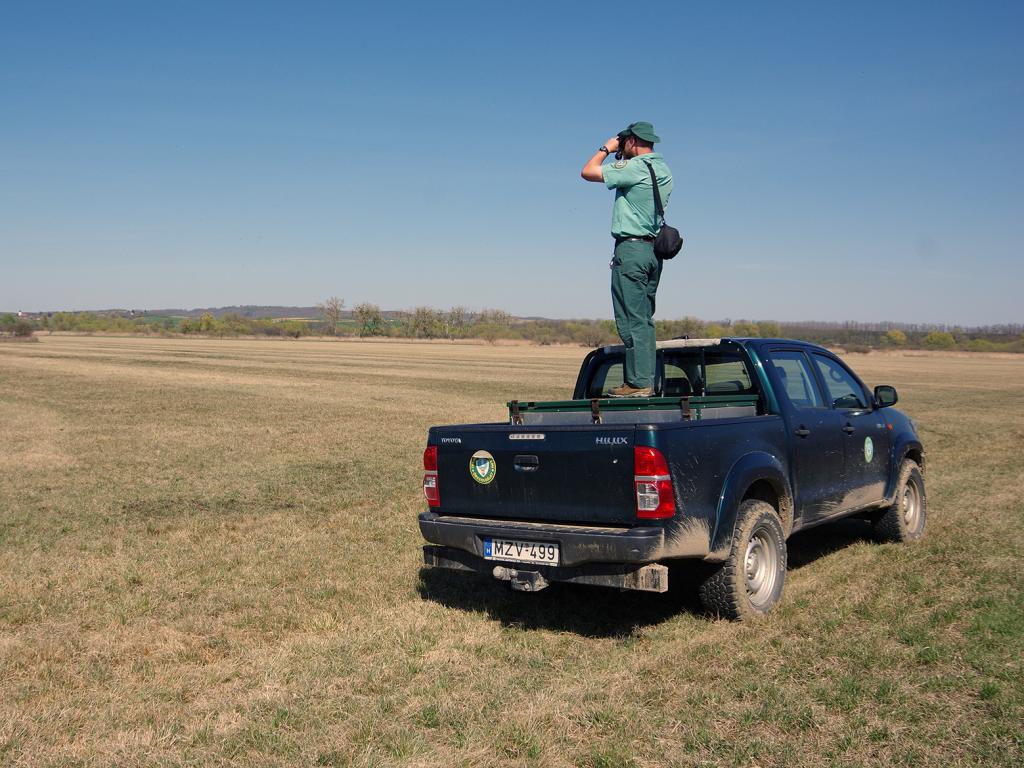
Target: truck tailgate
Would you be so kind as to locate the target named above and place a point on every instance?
(579, 474)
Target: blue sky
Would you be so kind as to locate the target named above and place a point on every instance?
(832, 161)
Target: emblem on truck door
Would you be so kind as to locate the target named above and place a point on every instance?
(482, 467)
(869, 450)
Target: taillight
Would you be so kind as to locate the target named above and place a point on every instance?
(430, 489)
(654, 497)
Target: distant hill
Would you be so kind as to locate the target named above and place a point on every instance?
(251, 311)
(245, 310)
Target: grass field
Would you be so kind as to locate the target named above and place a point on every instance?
(209, 556)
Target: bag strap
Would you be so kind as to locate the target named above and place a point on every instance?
(659, 210)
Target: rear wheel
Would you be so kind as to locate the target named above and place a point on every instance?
(904, 521)
(749, 583)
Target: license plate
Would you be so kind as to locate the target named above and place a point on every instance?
(521, 551)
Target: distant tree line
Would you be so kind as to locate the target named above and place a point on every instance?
(367, 320)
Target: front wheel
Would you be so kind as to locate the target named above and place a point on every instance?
(904, 521)
(749, 583)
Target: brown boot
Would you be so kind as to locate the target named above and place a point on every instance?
(628, 390)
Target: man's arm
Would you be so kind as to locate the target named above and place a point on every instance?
(592, 170)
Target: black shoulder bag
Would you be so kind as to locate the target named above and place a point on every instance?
(668, 242)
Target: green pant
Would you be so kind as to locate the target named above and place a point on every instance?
(635, 275)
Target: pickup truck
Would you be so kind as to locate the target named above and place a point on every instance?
(745, 442)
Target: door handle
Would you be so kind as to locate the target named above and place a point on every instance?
(526, 463)
(849, 429)
(802, 431)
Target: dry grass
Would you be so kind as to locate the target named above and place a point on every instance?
(209, 556)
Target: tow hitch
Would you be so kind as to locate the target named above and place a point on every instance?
(521, 581)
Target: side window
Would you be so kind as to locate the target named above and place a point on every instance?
(843, 390)
(797, 378)
(727, 375)
(608, 376)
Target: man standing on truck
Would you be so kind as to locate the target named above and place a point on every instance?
(636, 271)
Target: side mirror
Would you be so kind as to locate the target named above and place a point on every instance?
(885, 395)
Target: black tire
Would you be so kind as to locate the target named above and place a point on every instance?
(749, 583)
(905, 520)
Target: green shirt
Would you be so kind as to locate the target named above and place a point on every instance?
(633, 212)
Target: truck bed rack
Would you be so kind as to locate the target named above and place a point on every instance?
(627, 410)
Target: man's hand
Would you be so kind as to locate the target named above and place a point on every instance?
(592, 170)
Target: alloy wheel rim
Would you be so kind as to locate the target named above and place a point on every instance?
(760, 566)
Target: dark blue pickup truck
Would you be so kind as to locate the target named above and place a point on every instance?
(745, 442)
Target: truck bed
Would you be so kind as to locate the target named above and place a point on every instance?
(566, 468)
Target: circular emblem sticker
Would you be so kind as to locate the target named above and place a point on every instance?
(482, 467)
(869, 450)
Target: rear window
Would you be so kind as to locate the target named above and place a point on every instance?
(685, 371)
(716, 372)
(680, 380)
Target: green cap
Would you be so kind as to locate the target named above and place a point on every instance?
(643, 131)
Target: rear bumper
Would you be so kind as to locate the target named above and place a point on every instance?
(651, 577)
(578, 544)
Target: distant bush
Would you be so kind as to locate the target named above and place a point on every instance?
(980, 345)
(541, 333)
(939, 340)
(489, 332)
(894, 337)
(673, 329)
(294, 328)
(233, 324)
(743, 328)
(9, 324)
